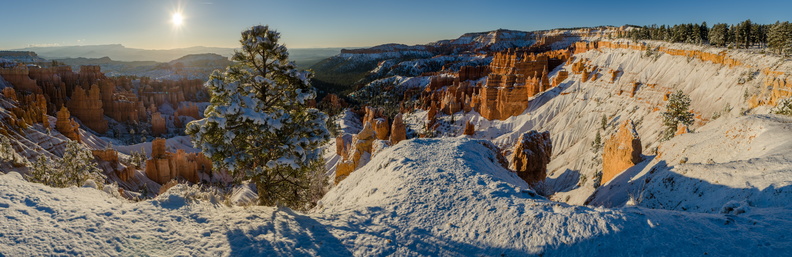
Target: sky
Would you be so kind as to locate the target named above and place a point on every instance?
(147, 24)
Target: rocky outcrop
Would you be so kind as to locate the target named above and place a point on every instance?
(158, 124)
(515, 77)
(108, 161)
(621, 151)
(188, 109)
(531, 155)
(381, 128)
(10, 93)
(87, 106)
(165, 166)
(470, 129)
(19, 77)
(66, 125)
(333, 103)
(361, 145)
(398, 130)
(32, 109)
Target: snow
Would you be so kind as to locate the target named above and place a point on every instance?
(422, 197)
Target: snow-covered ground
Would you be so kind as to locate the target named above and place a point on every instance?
(430, 197)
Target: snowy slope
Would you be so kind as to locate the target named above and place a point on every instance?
(740, 162)
(572, 111)
(422, 197)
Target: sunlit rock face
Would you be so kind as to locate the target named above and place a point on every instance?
(165, 166)
(66, 125)
(87, 106)
(621, 151)
(361, 145)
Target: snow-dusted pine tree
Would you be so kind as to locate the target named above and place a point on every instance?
(676, 112)
(75, 168)
(259, 124)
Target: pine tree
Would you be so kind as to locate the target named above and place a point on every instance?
(75, 168)
(259, 125)
(717, 35)
(41, 171)
(595, 145)
(78, 166)
(604, 122)
(677, 112)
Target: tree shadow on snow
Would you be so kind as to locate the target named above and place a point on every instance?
(282, 237)
(664, 187)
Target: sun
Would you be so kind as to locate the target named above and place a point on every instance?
(177, 19)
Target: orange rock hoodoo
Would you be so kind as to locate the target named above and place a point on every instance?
(158, 124)
(515, 77)
(398, 130)
(621, 151)
(164, 166)
(108, 160)
(531, 155)
(66, 125)
(32, 110)
(361, 143)
(87, 106)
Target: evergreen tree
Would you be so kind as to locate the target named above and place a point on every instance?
(703, 32)
(75, 168)
(717, 35)
(259, 124)
(676, 113)
(595, 145)
(604, 122)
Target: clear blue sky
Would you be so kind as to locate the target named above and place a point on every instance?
(343, 23)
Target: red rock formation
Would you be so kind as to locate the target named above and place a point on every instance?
(621, 151)
(561, 76)
(66, 125)
(10, 93)
(398, 130)
(158, 124)
(361, 143)
(470, 129)
(188, 109)
(372, 113)
(332, 102)
(531, 155)
(32, 109)
(52, 85)
(164, 166)
(19, 77)
(87, 106)
(515, 78)
(108, 161)
(381, 128)
(472, 72)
